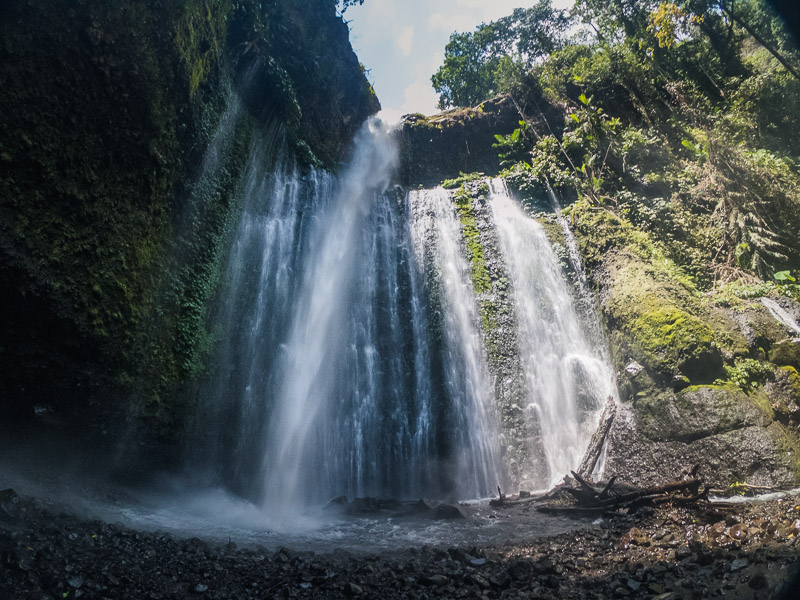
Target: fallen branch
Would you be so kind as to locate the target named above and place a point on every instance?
(612, 496)
(595, 448)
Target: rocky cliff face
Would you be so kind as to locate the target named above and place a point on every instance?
(705, 378)
(110, 228)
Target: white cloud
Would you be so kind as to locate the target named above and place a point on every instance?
(420, 97)
(405, 40)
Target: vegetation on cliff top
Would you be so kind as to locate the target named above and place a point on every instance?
(678, 120)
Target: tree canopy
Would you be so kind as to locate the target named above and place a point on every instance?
(470, 70)
(680, 117)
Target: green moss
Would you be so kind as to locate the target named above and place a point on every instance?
(671, 338)
(793, 377)
(200, 36)
(108, 231)
(472, 238)
(463, 178)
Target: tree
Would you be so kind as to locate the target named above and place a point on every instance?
(469, 74)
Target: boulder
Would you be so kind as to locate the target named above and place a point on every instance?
(10, 505)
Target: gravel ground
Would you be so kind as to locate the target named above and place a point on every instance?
(667, 553)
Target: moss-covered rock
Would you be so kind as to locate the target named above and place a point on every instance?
(686, 340)
(443, 146)
(111, 226)
(786, 353)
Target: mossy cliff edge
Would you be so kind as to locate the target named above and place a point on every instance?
(110, 235)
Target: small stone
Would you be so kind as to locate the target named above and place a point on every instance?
(739, 563)
(305, 586)
(75, 582)
(437, 580)
(457, 554)
(352, 589)
(634, 368)
(200, 588)
(477, 562)
(633, 584)
(520, 570)
(500, 579)
(738, 532)
(758, 581)
(656, 588)
(621, 591)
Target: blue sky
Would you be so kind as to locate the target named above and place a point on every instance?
(402, 43)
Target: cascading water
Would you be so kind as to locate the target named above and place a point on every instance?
(439, 252)
(351, 358)
(567, 378)
(336, 374)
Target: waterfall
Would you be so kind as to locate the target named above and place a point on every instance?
(439, 251)
(351, 358)
(567, 377)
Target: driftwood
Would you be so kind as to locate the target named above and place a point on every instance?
(614, 499)
(595, 448)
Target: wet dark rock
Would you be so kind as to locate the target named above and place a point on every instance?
(447, 512)
(739, 563)
(352, 589)
(457, 554)
(366, 506)
(520, 570)
(758, 581)
(10, 506)
(435, 580)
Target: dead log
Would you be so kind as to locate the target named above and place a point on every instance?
(579, 511)
(691, 485)
(595, 448)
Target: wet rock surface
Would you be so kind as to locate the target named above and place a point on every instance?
(747, 551)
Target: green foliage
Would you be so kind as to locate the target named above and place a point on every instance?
(787, 284)
(472, 237)
(494, 57)
(679, 118)
(463, 178)
(512, 148)
(748, 373)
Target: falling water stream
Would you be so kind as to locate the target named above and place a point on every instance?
(567, 378)
(352, 359)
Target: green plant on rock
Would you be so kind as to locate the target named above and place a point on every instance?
(472, 238)
(463, 178)
(748, 373)
(787, 284)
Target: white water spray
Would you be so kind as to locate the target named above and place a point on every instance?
(567, 378)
